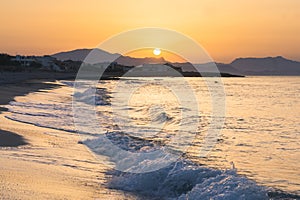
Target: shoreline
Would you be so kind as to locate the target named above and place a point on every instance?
(42, 163)
(10, 90)
(34, 81)
(40, 146)
(19, 77)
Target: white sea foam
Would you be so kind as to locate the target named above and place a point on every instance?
(180, 179)
(185, 181)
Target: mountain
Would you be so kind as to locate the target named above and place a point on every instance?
(277, 66)
(94, 56)
(267, 66)
(241, 66)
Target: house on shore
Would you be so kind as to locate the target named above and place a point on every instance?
(46, 62)
(24, 60)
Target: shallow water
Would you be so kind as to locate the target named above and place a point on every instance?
(260, 135)
(262, 131)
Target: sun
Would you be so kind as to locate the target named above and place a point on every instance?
(156, 51)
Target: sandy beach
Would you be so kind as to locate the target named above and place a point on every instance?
(42, 163)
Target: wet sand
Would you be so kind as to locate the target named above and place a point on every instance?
(42, 163)
(21, 83)
(9, 139)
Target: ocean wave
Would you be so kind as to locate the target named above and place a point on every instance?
(179, 178)
(93, 96)
(159, 116)
(186, 180)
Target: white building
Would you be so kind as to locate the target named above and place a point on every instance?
(24, 60)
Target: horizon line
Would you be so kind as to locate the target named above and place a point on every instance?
(86, 48)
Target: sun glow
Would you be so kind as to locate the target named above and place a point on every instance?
(157, 51)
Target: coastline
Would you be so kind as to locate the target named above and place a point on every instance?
(42, 163)
(55, 158)
(19, 77)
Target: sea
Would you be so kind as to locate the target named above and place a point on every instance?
(182, 138)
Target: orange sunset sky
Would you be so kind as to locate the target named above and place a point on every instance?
(225, 28)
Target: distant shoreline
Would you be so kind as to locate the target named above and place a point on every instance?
(18, 77)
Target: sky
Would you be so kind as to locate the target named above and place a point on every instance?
(226, 29)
